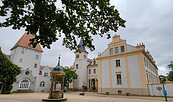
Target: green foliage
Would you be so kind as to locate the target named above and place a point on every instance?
(69, 76)
(170, 76)
(164, 78)
(171, 65)
(76, 19)
(8, 73)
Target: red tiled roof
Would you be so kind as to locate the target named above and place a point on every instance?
(24, 42)
(41, 67)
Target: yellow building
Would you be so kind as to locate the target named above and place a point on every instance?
(120, 69)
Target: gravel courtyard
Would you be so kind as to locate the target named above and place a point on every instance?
(75, 97)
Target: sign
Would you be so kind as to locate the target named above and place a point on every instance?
(164, 93)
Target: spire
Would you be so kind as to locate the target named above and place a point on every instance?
(58, 68)
(59, 60)
(81, 48)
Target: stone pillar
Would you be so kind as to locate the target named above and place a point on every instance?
(51, 88)
(62, 84)
(55, 82)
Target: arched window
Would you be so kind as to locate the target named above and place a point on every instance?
(42, 84)
(24, 84)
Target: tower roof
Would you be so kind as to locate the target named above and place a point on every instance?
(24, 42)
(58, 69)
(81, 47)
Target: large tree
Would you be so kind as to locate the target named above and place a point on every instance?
(170, 74)
(8, 73)
(76, 19)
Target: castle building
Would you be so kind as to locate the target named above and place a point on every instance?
(120, 69)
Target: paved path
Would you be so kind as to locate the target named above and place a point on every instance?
(75, 97)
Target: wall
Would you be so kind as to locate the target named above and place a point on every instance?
(29, 59)
(154, 92)
(121, 69)
(105, 74)
(47, 83)
(134, 72)
(81, 71)
(24, 76)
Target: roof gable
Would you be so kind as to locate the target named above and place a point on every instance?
(24, 42)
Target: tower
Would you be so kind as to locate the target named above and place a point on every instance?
(80, 65)
(28, 58)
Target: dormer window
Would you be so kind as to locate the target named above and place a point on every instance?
(94, 62)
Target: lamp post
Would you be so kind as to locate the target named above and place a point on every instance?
(164, 91)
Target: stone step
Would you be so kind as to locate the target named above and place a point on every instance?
(24, 91)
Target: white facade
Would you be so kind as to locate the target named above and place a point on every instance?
(81, 69)
(43, 81)
(26, 58)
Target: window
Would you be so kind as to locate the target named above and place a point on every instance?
(45, 74)
(89, 83)
(111, 51)
(122, 48)
(20, 60)
(119, 79)
(84, 56)
(94, 71)
(116, 50)
(42, 84)
(76, 66)
(36, 57)
(22, 52)
(117, 63)
(35, 65)
(94, 62)
(77, 56)
(89, 71)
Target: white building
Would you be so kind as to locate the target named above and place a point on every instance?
(28, 58)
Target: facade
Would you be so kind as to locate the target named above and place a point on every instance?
(28, 58)
(81, 61)
(120, 69)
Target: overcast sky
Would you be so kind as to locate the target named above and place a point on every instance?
(148, 21)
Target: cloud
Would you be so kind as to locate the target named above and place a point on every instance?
(148, 21)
